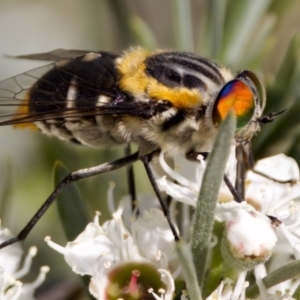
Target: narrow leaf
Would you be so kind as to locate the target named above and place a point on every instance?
(280, 275)
(216, 26)
(121, 11)
(242, 19)
(189, 271)
(216, 271)
(6, 190)
(143, 33)
(208, 196)
(257, 50)
(283, 94)
(296, 294)
(72, 210)
(182, 20)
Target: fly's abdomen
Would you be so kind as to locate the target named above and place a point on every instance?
(67, 101)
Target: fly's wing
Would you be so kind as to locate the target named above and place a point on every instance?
(77, 87)
(58, 54)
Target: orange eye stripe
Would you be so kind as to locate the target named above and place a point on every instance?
(237, 96)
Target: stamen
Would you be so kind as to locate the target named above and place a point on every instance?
(243, 293)
(175, 175)
(38, 281)
(220, 289)
(151, 291)
(96, 218)
(55, 246)
(239, 286)
(184, 295)
(110, 197)
(14, 292)
(27, 263)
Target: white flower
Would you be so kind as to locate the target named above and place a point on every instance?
(138, 259)
(186, 190)
(226, 290)
(10, 272)
(119, 262)
(281, 201)
(154, 238)
(258, 238)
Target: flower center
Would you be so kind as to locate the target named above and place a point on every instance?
(132, 281)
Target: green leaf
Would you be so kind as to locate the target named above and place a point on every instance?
(182, 20)
(216, 269)
(243, 16)
(257, 49)
(215, 28)
(6, 191)
(296, 294)
(282, 274)
(143, 33)
(188, 268)
(72, 210)
(285, 83)
(122, 12)
(208, 196)
(284, 93)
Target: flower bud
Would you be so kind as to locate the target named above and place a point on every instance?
(248, 240)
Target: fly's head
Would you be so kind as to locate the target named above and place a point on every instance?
(244, 95)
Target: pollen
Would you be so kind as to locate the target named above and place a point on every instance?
(136, 82)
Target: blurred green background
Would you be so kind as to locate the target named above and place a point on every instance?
(261, 35)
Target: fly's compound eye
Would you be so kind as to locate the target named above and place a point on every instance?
(256, 84)
(246, 96)
(238, 96)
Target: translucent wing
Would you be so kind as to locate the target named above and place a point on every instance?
(58, 54)
(74, 87)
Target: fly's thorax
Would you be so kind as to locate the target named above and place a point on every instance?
(185, 83)
(172, 130)
(183, 79)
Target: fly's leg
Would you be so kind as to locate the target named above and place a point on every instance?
(131, 179)
(240, 173)
(74, 176)
(245, 156)
(146, 161)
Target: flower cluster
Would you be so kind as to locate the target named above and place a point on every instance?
(250, 241)
(264, 226)
(135, 263)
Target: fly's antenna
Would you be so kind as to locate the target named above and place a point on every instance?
(270, 117)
